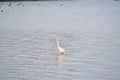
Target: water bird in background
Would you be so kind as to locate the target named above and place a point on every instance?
(61, 50)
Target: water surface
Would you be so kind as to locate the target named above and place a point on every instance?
(88, 30)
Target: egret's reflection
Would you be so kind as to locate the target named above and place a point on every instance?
(60, 57)
(61, 63)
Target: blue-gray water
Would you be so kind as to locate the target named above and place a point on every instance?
(89, 31)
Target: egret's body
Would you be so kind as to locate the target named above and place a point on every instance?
(61, 50)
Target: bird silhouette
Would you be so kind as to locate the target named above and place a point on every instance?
(61, 50)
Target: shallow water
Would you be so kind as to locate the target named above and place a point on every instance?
(87, 30)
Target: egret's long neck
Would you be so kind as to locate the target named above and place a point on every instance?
(57, 42)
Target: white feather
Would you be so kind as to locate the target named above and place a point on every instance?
(61, 50)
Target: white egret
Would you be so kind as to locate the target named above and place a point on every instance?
(61, 50)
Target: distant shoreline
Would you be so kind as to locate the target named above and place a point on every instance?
(33, 0)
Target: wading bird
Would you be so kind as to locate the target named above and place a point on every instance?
(61, 50)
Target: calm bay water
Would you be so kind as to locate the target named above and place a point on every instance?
(87, 30)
